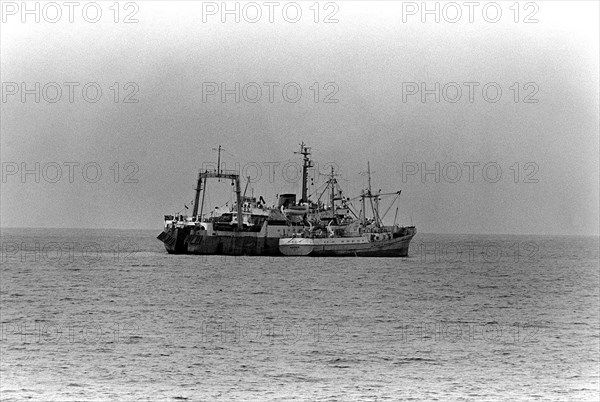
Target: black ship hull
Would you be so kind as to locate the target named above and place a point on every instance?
(186, 241)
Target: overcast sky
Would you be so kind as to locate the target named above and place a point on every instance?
(370, 66)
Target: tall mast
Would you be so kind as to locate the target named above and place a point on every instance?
(332, 183)
(219, 161)
(369, 176)
(238, 196)
(307, 163)
(369, 193)
(376, 210)
(203, 195)
(363, 211)
(197, 198)
(218, 158)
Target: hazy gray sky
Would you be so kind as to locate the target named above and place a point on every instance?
(543, 135)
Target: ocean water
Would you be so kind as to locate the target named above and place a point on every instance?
(108, 315)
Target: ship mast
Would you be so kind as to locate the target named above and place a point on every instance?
(307, 163)
(369, 187)
(363, 211)
(370, 196)
(332, 183)
(219, 160)
(378, 222)
(203, 195)
(197, 198)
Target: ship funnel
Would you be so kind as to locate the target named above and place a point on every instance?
(286, 200)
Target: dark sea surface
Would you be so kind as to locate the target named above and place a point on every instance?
(109, 315)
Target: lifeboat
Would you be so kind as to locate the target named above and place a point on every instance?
(296, 210)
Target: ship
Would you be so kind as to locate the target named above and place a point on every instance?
(363, 237)
(250, 227)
